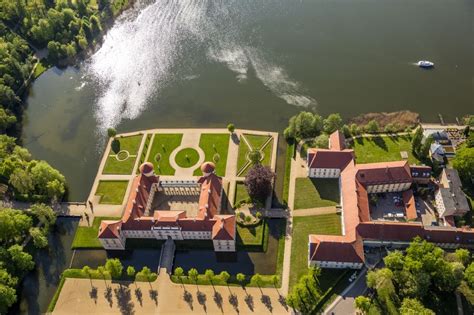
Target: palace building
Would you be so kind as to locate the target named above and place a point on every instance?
(176, 209)
(357, 184)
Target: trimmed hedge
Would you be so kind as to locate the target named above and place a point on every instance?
(52, 304)
(266, 282)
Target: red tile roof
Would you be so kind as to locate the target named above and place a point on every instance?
(224, 228)
(355, 207)
(207, 219)
(384, 172)
(334, 250)
(110, 229)
(324, 158)
(337, 141)
(409, 202)
(210, 196)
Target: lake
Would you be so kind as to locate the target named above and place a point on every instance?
(179, 63)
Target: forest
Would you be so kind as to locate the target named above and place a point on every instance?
(34, 35)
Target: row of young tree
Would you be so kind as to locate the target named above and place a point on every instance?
(114, 269)
(223, 276)
(423, 275)
(306, 125)
(17, 227)
(30, 179)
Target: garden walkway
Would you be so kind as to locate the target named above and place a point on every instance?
(314, 211)
(190, 140)
(298, 169)
(84, 296)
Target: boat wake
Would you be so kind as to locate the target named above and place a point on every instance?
(141, 54)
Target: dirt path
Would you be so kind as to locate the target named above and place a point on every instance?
(82, 296)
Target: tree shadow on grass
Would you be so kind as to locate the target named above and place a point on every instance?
(108, 295)
(115, 146)
(93, 294)
(249, 301)
(139, 296)
(124, 300)
(380, 142)
(267, 301)
(153, 295)
(201, 297)
(234, 301)
(188, 297)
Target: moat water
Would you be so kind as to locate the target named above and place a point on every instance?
(39, 286)
(193, 63)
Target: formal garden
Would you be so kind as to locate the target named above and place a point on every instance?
(111, 192)
(123, 154)
(316, 192)
(250, 144)
(215, 147)
(162, 146)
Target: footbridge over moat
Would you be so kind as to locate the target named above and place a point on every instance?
(167, 256)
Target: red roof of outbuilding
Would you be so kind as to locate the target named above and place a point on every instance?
(337, 141)
(324, 158)
(384, 172)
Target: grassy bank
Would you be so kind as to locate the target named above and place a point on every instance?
(86, 237)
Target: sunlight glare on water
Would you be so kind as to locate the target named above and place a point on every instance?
(140, 54)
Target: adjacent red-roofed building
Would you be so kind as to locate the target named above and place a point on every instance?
(356, 182)
(139, 220)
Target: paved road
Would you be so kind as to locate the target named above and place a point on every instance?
(345, 304)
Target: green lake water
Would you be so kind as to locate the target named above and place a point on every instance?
(254, 63)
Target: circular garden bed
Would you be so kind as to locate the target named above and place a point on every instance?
(187, 157)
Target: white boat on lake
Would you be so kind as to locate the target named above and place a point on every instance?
(425, 64)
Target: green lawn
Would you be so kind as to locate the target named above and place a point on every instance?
(162, 146)
(40, 68)
(267, 154)
(240, 192)
(383, 149)
(290, 149)
(326, 224)
(250, 235)
(316, 192)
(187, 157)
(214, 145)
(86, 237)
(111, 192)
(242, 155)
(125, 167)
(256, 141)
(146, 145)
